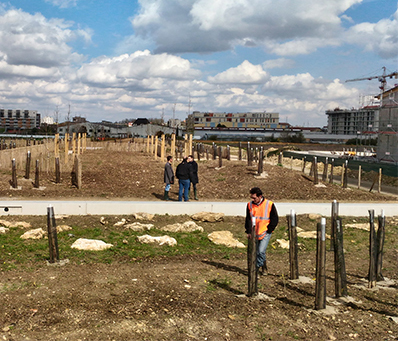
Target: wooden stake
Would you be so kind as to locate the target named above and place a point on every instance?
(380, 246)
(14, 182)
(315, 166)
(379, 189)
(57, 171)
(37, 176)
(320, 286)
(293, 246)
(27, 168)
(220, 156)
(173, 145)
(331, 171)
(372, 251)
(162, 149)
(52, 235)
(359, 176)
(156, 147)
(252, 261)
(340, 276)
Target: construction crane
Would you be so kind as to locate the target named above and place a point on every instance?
(382, 78)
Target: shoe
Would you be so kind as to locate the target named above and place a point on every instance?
(166, 195)
(264, 269)
(196, 194)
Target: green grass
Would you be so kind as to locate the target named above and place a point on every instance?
(16, 253)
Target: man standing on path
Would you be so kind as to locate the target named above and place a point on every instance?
(263, 213)
(184, 176)
(195, 178)
(168, 176)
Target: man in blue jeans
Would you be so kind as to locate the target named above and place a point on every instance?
(184, 176)
(263, 214)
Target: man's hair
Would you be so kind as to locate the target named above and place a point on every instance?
(256, 190)
(169, 158)
(191, 156)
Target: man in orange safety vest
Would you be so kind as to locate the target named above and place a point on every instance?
(263, 214)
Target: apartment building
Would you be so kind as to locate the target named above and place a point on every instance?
(353, 121)
(15, 120)
(235, 120)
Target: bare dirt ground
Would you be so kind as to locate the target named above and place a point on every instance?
(128, 175)
(198, 296)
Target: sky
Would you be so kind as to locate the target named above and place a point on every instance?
(124, 59)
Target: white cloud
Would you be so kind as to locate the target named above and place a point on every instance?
(245, 73)
(381, 37)
(216, 25)
(27, 39)
(140, 71)
(279, 63)
(63, 3)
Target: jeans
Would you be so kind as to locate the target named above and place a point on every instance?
(167, 188)
(261, 247)
(184, 187)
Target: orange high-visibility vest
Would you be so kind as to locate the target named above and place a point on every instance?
(262, 214)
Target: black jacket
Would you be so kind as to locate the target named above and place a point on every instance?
(274, 219)
(194, 166)
(184, 171)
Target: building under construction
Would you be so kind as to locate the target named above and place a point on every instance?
(387, 147)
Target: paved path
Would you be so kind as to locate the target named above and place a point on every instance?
(39, 207)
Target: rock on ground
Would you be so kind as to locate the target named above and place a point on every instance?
(90, 244)
(4, 229)
(188, 226)
(62, 228)
(225, 238)
(34, 234)
(147, 239)
(284, 244)
(143, 216)
(138, 227)
(363, 226)
(15, 224)
(120, 223)
(211, 217)
(310, 235)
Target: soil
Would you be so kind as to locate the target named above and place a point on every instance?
(197, 297)
(136, 176)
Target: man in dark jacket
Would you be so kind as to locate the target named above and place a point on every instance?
(261, 215)
(168, 176)
(184, 176)
(195, 178)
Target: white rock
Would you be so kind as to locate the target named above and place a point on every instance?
(61, 216)
(188, 226)
(138, 226)
(34, 234)
(4, 229)
(211, 217)
(225, 238)
(15, 224)
(284, 244)
(310, 235)
(120, 223)
(90, 244)
(364, 226)
(314, 216)
(147, 239)
(62, 228)
(103, 221)
(143, 216)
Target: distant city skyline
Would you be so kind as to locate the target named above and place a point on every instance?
(114, 60)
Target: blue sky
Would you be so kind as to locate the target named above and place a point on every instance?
(112, 60)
